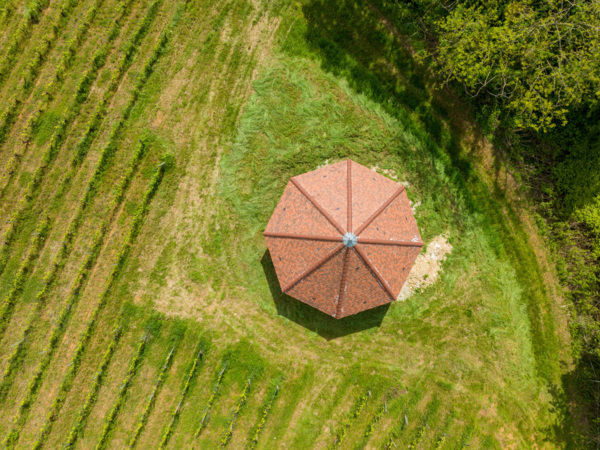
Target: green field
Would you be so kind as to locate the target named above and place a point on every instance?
(143, 147)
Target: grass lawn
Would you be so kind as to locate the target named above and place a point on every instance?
(243, 96)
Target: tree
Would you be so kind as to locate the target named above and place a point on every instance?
(539, 60)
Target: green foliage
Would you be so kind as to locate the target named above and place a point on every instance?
(539, 60)
(34, 385)
(32, 11)
(213, 395)
(58, 137)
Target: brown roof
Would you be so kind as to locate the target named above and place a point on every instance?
(343, 239)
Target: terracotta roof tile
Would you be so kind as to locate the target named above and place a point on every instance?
(343, 276)
(328, 187)
(392, 262)
(293, 257)
(296, 214)
(369, 191)
(396, 222)
(321, 288)
(362, 290)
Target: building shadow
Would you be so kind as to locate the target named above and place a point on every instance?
(313, 319)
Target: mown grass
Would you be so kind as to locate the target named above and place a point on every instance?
(242, 97)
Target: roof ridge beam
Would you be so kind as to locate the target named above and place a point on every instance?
(308, 237)
(338, 306)
(390, 242)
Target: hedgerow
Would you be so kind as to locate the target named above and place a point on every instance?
(253, 442)
(162, 376)
(114, 411)
(177, 411)
(240, 404)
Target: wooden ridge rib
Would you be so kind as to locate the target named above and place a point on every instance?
(380, 210)
(367, 261)
(309, 237)
(316, 205)
(390, 242)
(312, 268)
(338, 306)
(349, 191)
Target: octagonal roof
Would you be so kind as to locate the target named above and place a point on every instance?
(343, 238)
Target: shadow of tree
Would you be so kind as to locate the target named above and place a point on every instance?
(354, 41)
(313, 319)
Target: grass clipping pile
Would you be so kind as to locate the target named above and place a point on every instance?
(427, 266)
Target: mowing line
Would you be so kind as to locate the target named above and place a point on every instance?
(376, 418)
(94, 123)
(441, 436)
(114, 411)
(162, 376)
(357, 408)
(110, 148)
(101, 165)
(402, 419)
(430, 411)
(21, 416)
(81, 419)
(177, 411)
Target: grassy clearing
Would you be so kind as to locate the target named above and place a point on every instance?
(158, 171)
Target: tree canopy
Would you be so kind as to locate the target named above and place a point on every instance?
(539, 59)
